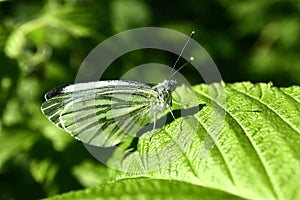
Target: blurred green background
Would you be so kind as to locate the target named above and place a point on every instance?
(44, 42)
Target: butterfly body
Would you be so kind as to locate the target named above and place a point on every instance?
(104, 113)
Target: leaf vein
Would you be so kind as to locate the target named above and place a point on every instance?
(221, 153)
(270, 108)
(256, 150)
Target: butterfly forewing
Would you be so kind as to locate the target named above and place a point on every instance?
(101, 113)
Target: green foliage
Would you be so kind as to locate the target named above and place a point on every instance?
(256, 155)
(142, 188)
(43, 44)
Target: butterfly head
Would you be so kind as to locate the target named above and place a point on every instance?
(166, 86)
(170, 84)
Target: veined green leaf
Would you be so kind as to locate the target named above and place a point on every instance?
(256, 156)
(142, 188)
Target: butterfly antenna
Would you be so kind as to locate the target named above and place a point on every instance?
(182, 50)
(182, 66)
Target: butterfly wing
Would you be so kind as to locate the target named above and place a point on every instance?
(101, 113)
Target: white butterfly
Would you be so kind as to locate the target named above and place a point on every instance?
(105, 113)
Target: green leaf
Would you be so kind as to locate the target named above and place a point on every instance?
(142, 188)
(90, 173)
(256, 156)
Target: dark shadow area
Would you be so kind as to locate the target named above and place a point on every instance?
(103, 154)
(162, 122)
